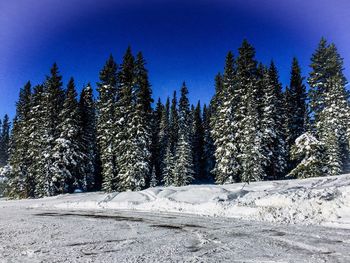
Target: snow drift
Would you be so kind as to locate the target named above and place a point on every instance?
(324, 200)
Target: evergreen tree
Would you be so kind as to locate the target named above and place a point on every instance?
(68, 166)
(329, 106)
(156, 147)
(88, 139)
(246, 105)
(20, 183)
(164, 138)
(136, 167)
(168, 171)
(174, 124)
(208, 145)
(154, 181)
(226, 168)
(36, 142)
(251, 157)
(273, 127)
(183, 169)
(309, 152)
(123, 113)
(53, 96)
(5, 140)
(198, 144)
(296, 109)
(217, 99)
(107, 89)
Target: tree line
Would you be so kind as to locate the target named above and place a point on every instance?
(252, 129)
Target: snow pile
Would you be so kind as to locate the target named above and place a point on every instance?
(324, 200)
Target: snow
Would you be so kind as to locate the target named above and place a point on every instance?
(197, 223)
(322, 201)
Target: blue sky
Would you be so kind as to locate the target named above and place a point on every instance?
(181, 40)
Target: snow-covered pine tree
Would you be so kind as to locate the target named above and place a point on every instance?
(164, 139)
(136, 170)
(168, 173)
(68, 166)
(308, 151)
(20, 183)
(295, 109)
(251, 157)
(226, 168)
(88, 139)
(208, 145)
(272, 125)
(183, 168)
(123, 115)
(198, 144)
(332, 127)
(53, 98)
(173, 124)
(209, 119)
(106, 129)
(329, 105)
(36, 142)
(153, 181)
(246, 115)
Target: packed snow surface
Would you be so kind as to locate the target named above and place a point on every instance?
(323, 201)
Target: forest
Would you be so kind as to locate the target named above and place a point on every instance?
(253, 129)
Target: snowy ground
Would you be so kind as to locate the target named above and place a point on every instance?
(252, 224)
(324, 201)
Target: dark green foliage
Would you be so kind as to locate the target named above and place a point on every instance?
(88, 139)
(295, 109)
(174, 124)
(198, 144)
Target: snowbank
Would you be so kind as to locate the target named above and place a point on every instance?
(324, 200)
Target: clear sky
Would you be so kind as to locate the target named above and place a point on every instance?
(181, 40)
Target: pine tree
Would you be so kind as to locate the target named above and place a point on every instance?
(251, 157)
(36, 141)
(183, 168)
(154, 181)
(246, 112)
(155, 147)
(53, 96)
(217, 99)
(168, 169)
(198, 144)
(107, 89)
(226, 168)
(21, 184)
(5, 140)
(88, 139)
(272, 125)
(68, 166)
(164, 138)
(135, 166)
(296, 108)
(309, 152)
(123, 115)
(329, 106)
(174, 124)
(208, 145)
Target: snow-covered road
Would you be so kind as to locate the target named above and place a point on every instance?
(35, 235)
